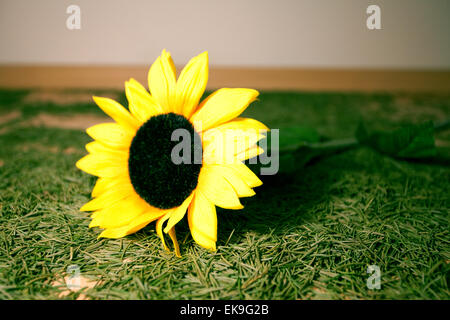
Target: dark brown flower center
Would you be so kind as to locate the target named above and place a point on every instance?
(154, 175)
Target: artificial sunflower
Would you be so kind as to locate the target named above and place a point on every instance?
(137, 180)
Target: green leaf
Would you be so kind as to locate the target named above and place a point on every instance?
(300, 145)
(291, 142)
(291, 138)
(408, 142)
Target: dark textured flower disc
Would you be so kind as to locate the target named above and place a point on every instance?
(153, 174)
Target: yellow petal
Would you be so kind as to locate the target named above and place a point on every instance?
(191, 85)
(246, 174)
(244, 124)
(114, 233)
(250, 153)
(116, 111)
(217, 189)
(97, 147)
(142, 105)
(111, 134)
(144, 219)
(134, 226)
(238, 184)
(162, 81)
(178, 213)
(102, 185)
(120, 213)
(202, 220)
(173, 236)
(109, 197)
(222, 106)
(159, 232)
(222, 145)
(102, 165)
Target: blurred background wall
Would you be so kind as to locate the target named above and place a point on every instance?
(292, 34)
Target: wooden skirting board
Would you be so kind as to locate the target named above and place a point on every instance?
(99, 77)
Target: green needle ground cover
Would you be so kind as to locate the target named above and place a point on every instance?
(308, 233)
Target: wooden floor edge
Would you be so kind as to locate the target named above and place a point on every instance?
(113, 77)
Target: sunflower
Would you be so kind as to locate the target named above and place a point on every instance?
(138, 182)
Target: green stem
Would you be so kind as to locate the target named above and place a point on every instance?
(353, 142)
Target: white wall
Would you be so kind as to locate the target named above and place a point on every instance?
(285, 33)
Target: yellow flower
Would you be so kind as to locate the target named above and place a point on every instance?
(138, 180)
